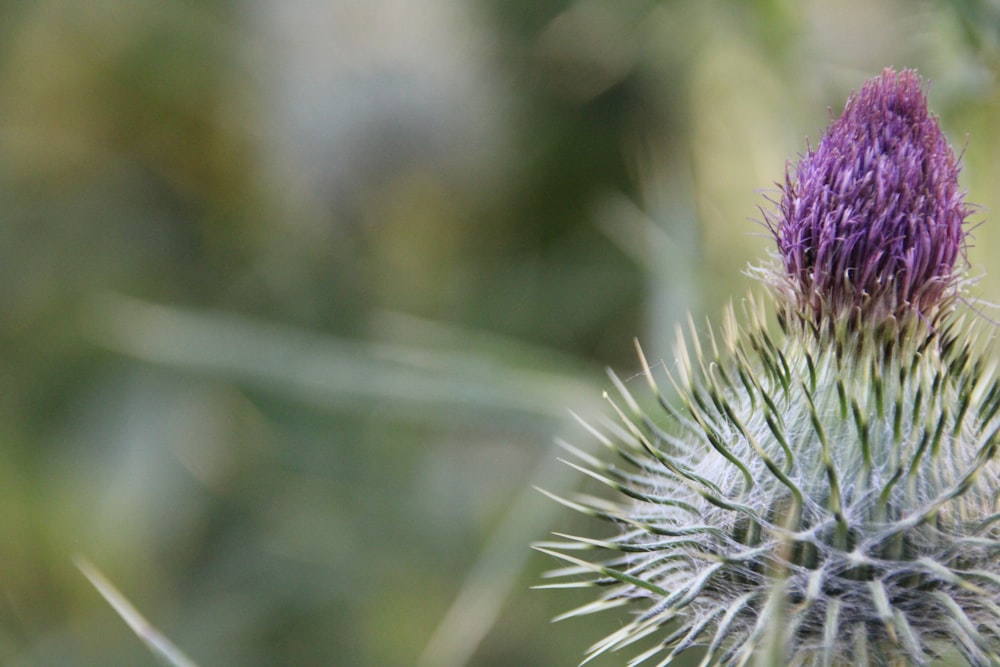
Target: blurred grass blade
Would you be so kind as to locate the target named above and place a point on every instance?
(160, 646)
(448, 374)
(420, 381)
(479, 601)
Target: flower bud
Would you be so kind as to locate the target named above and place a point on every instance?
(870, 223)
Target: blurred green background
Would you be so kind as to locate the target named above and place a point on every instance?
(295, 296)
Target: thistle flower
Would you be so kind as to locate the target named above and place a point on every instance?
(810, 499)
(871, 221)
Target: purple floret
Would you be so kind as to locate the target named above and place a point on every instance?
(871, 221)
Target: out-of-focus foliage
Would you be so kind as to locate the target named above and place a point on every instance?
(294, 295)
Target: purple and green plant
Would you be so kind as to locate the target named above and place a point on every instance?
(827, 493)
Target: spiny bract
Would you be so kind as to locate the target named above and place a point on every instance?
(825, 495)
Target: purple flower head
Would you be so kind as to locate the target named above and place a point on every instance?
(870, 223)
